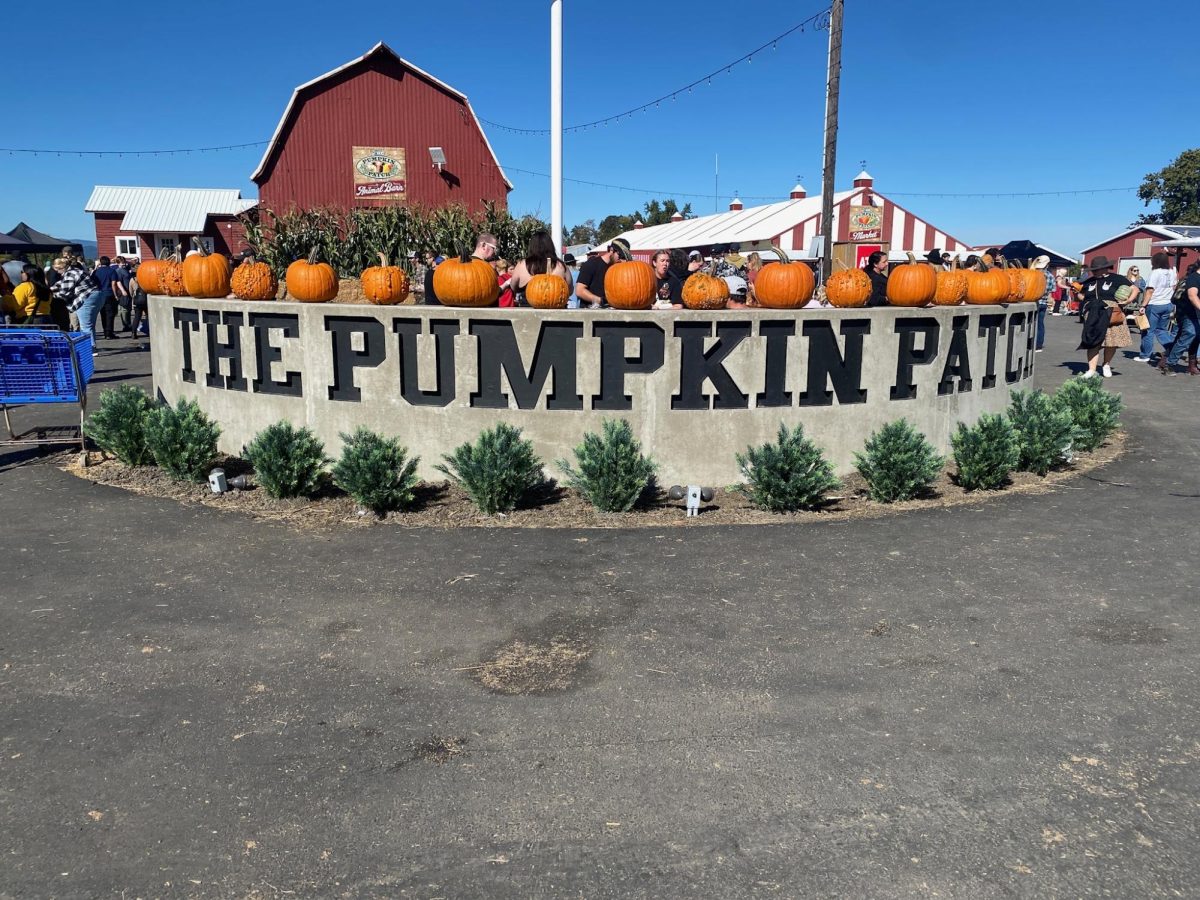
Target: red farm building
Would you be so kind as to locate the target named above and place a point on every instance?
(1139, 243)
(144, 221)
(376, 131)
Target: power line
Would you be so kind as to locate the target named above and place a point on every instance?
(776, 198)
(181, 151)
(817, 21)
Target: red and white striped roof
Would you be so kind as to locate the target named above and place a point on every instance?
(792, 224)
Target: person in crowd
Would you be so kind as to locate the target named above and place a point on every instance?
(754, 265)
(487, 247)
(32, 297)
(81, 292)
(695, 262)
(106, 278)
(1060, 293)
(679, 264)
(432, 261)
(669, 294)
(1187, 338)
(1134, 274)
(738, 291)
(1042, 263)
(54, 270)
(934, 258)
(572, 270)
(1102, 330)
(505, 298)
(8, 303)
(1157, 305)
(540, 259)
(590, 286)
(139, 317)
(877, 271)
(973, 263)
(121, 292)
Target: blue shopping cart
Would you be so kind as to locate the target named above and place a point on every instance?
(44, 365)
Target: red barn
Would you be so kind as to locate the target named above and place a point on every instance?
(1140, 242)
(375, 131)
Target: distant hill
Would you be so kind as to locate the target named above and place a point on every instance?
(89, 248)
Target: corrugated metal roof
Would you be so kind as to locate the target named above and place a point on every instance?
(381, 47)
(1170, 232)
(179, 210)
(736, 226)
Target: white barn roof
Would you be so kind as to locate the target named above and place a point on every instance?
(180, 210)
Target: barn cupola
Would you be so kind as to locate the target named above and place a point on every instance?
(639, 224)
(798, 192)
(735, 204)
(676, 216)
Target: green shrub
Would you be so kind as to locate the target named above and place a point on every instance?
(288, 461)
(118, 426)
(497, 470)
(1094, 410)
(612, 472)
(898, 463)
(985, 453)
(1045, 431)
(376, 471)
(786, 475)
(183, 440)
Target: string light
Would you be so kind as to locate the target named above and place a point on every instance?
(122, 153)
(815, 20)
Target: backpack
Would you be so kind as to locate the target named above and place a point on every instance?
(1179, 296)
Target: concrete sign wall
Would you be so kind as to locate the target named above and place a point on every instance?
(696, 387)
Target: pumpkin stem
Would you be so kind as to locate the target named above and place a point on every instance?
(840, 264)
(912, 257)
(778, 251)
(383, 260)
(955, 266)
(199, 245)
(312, 255)
(249, 259)
(164, 253)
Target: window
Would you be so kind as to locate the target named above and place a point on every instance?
(128, 245)
(165, 244)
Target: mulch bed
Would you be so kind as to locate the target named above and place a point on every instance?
(442, 505)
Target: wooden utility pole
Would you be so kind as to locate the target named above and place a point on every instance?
(831, 130)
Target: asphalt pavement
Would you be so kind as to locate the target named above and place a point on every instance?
(996, 700)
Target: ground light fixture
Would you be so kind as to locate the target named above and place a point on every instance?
(695, 495)
(219, 484)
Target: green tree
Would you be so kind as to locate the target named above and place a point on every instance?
(1176, 189)
(652, 213)
(584, 233)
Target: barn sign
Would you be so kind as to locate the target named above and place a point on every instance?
(379, 172)
(696, 387)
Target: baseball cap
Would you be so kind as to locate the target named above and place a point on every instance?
(695, 254)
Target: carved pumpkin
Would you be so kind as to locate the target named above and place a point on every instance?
(170, 282)
(951, 287)
(384, 285)
(254, 280)
(548, 291)
(149, 273)
(785, 285)
(205, 274)
(848, 288)
(913, 283)
(704, 291)
(466, 281)
(987, 287)
(310, 281)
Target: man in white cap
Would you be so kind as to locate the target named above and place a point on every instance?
(1042, 263)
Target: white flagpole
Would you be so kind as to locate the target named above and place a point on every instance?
(556, 132)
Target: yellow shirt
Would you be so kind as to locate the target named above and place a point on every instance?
(27, 301)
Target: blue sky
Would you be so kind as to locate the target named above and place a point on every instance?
(936, 97)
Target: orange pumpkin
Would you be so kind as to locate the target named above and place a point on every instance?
(785, 285)
(170, 282)
(987, 287)
(310, 281)
(149, 273)
(630, 285)
(913, 283)
(205, 274)
(254, 280)
(1035, 285)
(951, 287)
(384, 285)
(848, 288)
(704, 291)
(466, 281)
(547, 291)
